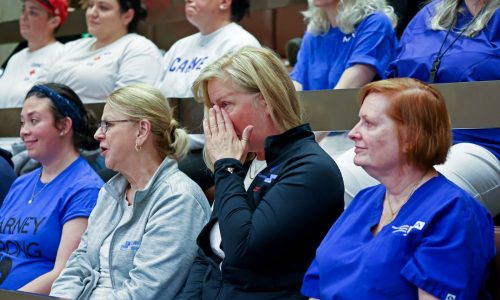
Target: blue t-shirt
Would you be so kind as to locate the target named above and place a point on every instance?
(469, 59)
(440, 241)
(30, 233)
(323, 58)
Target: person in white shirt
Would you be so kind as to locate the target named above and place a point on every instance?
(218, 34)
(38, 23)
(114, 57)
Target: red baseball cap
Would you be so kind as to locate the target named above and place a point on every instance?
(56, 7)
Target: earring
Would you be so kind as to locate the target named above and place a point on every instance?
(221, 7)
(61, 133)
(137, 147)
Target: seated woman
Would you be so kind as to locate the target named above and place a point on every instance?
(347, 44)
(140, 242)
(114, 57)
(45, 212)
(416, 235)
(270, 215)
(453, 41)
(38, 23)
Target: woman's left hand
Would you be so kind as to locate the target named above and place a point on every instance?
(221, 141)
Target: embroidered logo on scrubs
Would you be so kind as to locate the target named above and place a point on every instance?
(130, 245)
(450, 297)
(405, 229)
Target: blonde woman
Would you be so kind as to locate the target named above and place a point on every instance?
(140, 242)
(347, 43)
(270, 213)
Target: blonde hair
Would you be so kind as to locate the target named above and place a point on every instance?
(445, 16)
(350, 14)
(255, 70)
(141, 101)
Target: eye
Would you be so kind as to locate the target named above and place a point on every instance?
(34, 121)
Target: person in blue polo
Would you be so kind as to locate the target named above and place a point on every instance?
(416, 235)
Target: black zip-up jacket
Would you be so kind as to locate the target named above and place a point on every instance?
(270, 232)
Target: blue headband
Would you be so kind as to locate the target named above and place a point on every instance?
(66, 107)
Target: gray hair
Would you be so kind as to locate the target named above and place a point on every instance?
(350, 14)
(445, 16)
(142, 101)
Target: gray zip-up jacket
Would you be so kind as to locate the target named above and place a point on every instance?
(152, 252)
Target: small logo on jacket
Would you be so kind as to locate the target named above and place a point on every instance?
(131, 246)
(405, 229)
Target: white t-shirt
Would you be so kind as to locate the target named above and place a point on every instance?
(104, 286)
(187, 57)
(215, 238)
(24, 69)
(94, 74)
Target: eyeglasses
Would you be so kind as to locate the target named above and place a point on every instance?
(105, 124)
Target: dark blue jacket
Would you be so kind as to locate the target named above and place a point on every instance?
(270, 232)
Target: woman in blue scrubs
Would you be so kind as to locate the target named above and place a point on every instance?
(416, 235)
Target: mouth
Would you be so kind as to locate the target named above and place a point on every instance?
(104, 150)
(358, 149)
(29, 144)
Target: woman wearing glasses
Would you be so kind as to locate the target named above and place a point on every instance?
(140, 242)
(45, 212)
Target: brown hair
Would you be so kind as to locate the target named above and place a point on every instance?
(421, 117)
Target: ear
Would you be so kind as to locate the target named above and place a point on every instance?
(54, 22)
(128, 16)
(64, 126)
(263, 104)
(143, 131)
(225, 4)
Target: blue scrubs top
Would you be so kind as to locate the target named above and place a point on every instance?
(323, 58)
(469, 59)
(440, 241)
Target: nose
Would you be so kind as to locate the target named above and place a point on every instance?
(24, 131)
(98, 135)
(92, 11)
(354, 133)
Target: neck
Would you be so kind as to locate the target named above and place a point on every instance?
(60, 162)
(400, 185)
(332, 12)
(102, 42)
(475, 6)
(139, 173)
(39, 43)
(214, 26)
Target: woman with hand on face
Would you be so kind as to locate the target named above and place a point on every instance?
(140, 242)
(114, 57)
(416, 235)
(38, 23)
(269, 214)
(45, 212)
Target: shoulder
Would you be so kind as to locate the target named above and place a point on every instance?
(82, 176)
(376, 21)
(134, 41)
(238, 34)
(79, 43)
(178, 187)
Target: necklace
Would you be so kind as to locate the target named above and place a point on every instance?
(33, 195)
(255, 168)
(437, 61)
(395, 212)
